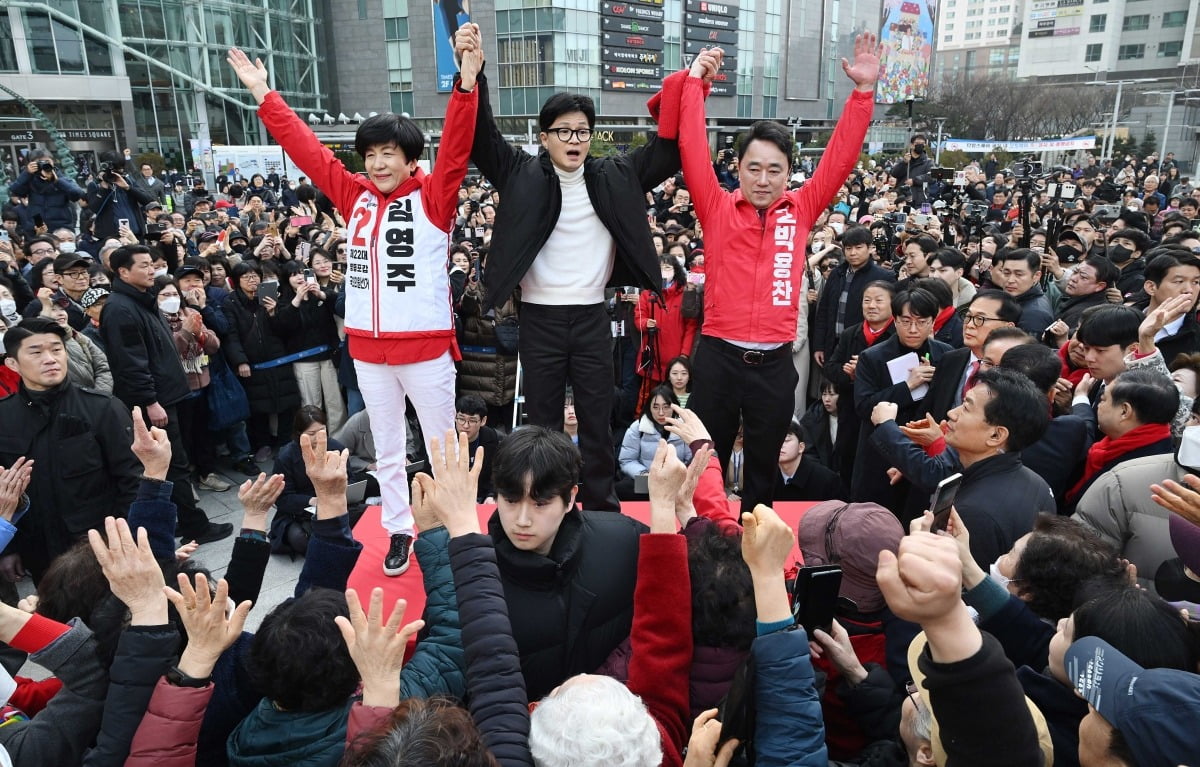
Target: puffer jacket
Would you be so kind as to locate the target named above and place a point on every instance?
(87, 365)
(255, 337)
(640, 444)
(485, 371)
(570, 608)
(274, 738)
(50, 199)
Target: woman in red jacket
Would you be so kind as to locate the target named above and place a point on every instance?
(666, 333)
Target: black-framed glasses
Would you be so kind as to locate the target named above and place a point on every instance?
(464, 420)
(565, 134)
(977, 320)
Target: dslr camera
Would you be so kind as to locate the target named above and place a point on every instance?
(942, 174)
(1026, 169)
(45, 166)
(110, 172)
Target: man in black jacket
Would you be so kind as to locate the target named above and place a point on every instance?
(579, 225)
(1018, 271)
(78, 440)
(913, 171)
(1167, 276)
(147, 372)
(51, 194)
(840, 305)
(112, 199)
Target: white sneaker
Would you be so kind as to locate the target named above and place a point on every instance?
(214, 483)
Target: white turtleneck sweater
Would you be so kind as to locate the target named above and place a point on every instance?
(576, 263)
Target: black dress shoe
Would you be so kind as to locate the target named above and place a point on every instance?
(214, 532)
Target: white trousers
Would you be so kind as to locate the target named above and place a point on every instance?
(319, 386)
(430, 386)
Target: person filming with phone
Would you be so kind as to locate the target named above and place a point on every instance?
(51, 194)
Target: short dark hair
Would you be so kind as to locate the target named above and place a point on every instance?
(42, 238)
(547, 459)
(1009, 311)
(1109, 324)
(1141, 240)
(1126, 616)
(920, 302)
(1017, 405)
(1153, 397)
(770, 132)
(1106, 271)
(1189, 202)
(1059, 557)
(1158, 267)
(31, 326)
(856, 235)
(916, 136)
(122, 257)
(298, 658)
(564, 103)
(306, 416)
(1031, 257)
(389, 128)
(1037, 362)
(471, 404)
(1009, 333)
(923, 241)
(243, 268)
(940, 290)
(722, 591)
(951, 257)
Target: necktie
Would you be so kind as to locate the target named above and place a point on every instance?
(971, 376)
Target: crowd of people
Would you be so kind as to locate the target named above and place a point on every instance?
(858, 336)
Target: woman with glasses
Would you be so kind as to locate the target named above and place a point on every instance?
(641, 442)
(62, 282)
(897, 370)
(305, 319)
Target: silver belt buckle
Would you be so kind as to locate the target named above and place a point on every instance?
(753, 357)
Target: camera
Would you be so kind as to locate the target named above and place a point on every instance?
(1024, 170)
(45, 166)
(882, 243)
(897, 218)
(942, 174)
(974, 211)
(154, 231)
(109, 172)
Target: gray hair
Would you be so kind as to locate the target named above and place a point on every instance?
(594, 721)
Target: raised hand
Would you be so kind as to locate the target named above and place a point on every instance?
(151, 447)
(667, 475)
(257, 496)
(1166, 313)
(470, 54)
(686, 425)
(924, 583)
(377, 648)
(865, 69)
(685, 507)
(454, 486)
(133, 575)
(327, 470)
(1183, 498)
(702, 746)
(766, 541)
(13, 482)
(252, 74)
(209, 631)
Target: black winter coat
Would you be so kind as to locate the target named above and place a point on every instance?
(52, 200)
(141, 350)
(86, 471)
(851, 343)
(825, 334)
(309, 326)
(254, 337)
(617, 187)
(570, 609)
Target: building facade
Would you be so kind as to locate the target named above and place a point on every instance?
(150, 75)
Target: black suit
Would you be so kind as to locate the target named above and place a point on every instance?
(811, 482)
(825, 334)
(1058, 456)
(1186, 341)
(872, 385)
(945, 391)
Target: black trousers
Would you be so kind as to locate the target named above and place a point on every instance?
(191, 520)
(573, 344)
(726, 388)
(197, 439)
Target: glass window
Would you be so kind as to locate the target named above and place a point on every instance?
(1093, 52)
(8, 52)
(1127, 52)
(1098, 22)
(1136, 23)
(1174, 19)
(1171, 48)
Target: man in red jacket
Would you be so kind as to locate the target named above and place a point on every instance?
(755, 242)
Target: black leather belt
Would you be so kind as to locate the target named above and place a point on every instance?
(753, 357)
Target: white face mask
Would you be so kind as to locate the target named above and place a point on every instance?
(160, 272)
(817, 246)
(837, 226)
(169, 305)
(66, 247)
(8, 307)
(997, 576)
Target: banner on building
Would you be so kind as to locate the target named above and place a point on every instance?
(907, 32)
(448, 16)
(971, 146)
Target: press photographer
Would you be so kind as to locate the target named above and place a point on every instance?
(51, 195)
(114, 201)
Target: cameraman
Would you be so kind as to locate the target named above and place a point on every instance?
(113, 199)
(913, 171)
(50, 195)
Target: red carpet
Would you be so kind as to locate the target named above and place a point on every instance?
(368, 573)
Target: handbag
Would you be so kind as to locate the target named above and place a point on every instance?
(507, 332)
(227, 402)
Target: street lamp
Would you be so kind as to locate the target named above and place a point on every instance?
(937, 154)
(1106, 152)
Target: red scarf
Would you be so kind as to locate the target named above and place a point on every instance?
(1069, 371)
(942, 318)
(874, 335)
(1108, 450)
